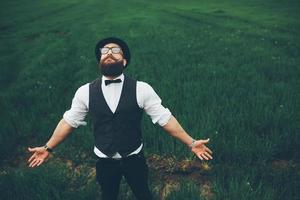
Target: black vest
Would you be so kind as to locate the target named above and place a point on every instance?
(119, 131)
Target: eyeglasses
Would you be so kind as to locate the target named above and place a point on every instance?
(114, 50)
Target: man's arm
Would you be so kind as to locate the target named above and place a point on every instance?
(151, 103)
(197, 146)
(71, 119)
(40, 154)
(62, 130)
(175, 129)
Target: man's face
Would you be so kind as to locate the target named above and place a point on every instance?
(112, 60)
(111, 57)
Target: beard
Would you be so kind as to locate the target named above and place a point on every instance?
(114, 68)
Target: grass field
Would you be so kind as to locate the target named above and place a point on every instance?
(227, 70)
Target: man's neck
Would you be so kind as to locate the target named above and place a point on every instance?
(112, 77)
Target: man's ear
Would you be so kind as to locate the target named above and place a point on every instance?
(124, 62)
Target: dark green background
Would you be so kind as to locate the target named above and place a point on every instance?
(227, 70)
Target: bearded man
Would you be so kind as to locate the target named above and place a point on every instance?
(116, 103)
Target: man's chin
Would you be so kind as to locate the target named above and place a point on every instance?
(112, 69)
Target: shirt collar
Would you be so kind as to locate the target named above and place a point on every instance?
(120, 77)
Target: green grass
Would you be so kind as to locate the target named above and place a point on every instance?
(54, 181)
(227, 70)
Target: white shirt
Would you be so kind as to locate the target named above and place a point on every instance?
(147, 99)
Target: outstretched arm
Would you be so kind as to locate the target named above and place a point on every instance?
(71, 119)
(40, 154)
(197, 146)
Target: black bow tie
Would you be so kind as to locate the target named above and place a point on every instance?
(107, 82)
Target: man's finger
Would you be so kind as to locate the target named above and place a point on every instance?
(31, 149)
(32, 157)
(31, 163)
(205, 141)
(204, 156)
(199, 156)
(34, 163)
(40, 162)
(208, 155)
(207, 149)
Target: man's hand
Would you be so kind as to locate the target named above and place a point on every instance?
(40, 154)
(201, 150)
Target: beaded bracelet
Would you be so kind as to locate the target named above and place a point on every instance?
(193, 144)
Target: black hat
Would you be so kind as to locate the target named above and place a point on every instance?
(117, 41)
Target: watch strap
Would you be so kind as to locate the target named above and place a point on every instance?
(48, 149)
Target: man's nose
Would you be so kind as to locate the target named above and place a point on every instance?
(109, 54)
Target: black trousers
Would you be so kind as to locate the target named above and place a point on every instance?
(134, 169)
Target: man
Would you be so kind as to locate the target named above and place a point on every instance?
(116, 104)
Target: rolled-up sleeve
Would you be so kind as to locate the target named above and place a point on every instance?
(152, 104)
(76, 114)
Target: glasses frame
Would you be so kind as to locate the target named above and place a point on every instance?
(114, 50)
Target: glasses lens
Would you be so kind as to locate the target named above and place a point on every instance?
(116, 50)
(104, 50)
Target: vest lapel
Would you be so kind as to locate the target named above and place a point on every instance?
(121, 97)
(122, 94)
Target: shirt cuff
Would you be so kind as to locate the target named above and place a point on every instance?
(71, 122)
(163, 120)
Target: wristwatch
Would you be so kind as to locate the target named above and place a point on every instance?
(48, 149)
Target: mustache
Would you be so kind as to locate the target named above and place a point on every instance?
(111, 57)
(104, 64)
